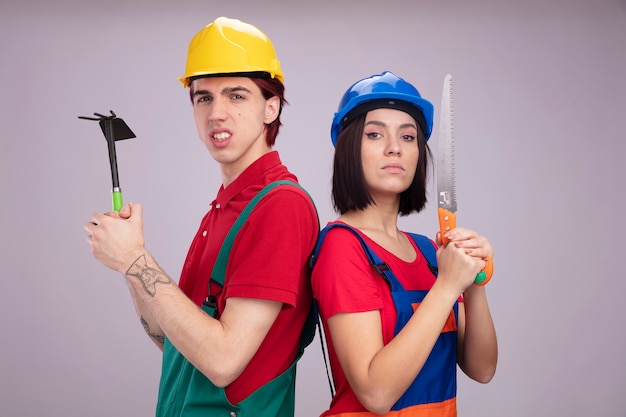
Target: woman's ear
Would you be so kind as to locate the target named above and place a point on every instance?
(272, 109)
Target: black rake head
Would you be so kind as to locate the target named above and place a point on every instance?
(119, 128)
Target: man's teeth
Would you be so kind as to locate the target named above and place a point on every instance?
(221, 136)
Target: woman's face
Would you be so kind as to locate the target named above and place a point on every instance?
(389, 151)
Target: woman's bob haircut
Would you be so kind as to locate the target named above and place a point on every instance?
(349, 188)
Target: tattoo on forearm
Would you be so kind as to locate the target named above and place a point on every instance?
(159, 338)
(148, 276)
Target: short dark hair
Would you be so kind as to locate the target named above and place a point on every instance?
(269, 87)
(349, 189)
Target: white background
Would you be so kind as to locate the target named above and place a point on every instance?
(539, 99)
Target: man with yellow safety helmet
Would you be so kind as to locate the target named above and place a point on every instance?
(234, 327)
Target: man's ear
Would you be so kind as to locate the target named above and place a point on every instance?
(272, 109)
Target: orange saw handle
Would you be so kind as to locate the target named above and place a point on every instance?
(447, 222)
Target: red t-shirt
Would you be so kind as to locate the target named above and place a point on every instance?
(344, 282)
(268, 260)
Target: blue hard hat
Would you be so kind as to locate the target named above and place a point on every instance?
(384, 90)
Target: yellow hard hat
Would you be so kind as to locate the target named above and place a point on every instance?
(228, 46)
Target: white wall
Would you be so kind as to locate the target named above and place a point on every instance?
(539, 89)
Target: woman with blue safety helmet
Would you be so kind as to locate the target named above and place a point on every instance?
(399, 312)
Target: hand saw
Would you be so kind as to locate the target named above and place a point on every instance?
(446, 175)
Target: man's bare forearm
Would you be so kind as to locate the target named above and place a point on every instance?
(158, 338)
(148, 322)
(220, 349)
(149, 277)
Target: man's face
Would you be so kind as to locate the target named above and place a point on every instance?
(231, 114)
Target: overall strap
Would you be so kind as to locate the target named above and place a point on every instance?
(382, 268)
(219, 269)
(429, 251)
(423, 243)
